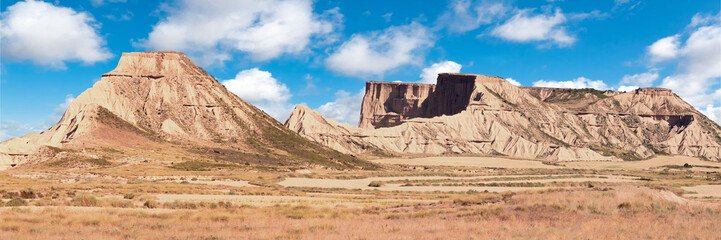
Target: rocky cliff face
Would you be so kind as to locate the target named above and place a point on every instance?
(164, 99)
(387, 104)
(480, 114)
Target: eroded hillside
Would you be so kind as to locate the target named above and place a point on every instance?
(478, 114)
(161, 100)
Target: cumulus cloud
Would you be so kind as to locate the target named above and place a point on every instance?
(664, 49)
(525, 26)
(512, 81)
(430, 74)
(209, 30)
(261, 89)
(713, 113)
(577, 83)
(640, 79)
(627, 88)
(466, 15)
(345, 107)
(697, 78)
(50, 35)
(375, 53)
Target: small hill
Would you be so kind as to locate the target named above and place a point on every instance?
(161, 100)
(478, 114)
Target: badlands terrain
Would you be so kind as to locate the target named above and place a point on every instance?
(160, 149)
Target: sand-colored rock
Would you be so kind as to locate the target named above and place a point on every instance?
(163, 97)
(477, 114)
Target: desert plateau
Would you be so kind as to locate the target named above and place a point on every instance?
(166, 140)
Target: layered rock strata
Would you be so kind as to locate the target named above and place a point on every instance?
(164, 99)
(477, 114)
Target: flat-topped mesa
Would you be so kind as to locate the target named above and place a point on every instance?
(388, 104)
(155, 64)
(654, 91)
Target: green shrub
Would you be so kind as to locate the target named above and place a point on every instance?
(119, 203)
(28, 194)
(129, 195)
(46, 201)
(85, 201)
(375, 184)
(151, 204)
(16, 201)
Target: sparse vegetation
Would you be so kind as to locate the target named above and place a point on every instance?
(78, 162)
(502, 99)
(564, 95)
(16, 201)
(107, 117)
(85, 200)
(201, 166)
(375, 184)
(620, 153)
(150, 204)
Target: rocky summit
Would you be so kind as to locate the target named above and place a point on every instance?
(478, 114)
(156, 100)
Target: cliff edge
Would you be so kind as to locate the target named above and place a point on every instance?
(478, 114)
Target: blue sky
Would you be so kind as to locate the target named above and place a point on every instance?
(279, 53)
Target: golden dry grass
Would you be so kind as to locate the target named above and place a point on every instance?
(627, 212)
(151, 201)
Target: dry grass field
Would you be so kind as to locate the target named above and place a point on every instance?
(651, 199)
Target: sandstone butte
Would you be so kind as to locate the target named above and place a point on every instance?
(162, 99)
(478, 114)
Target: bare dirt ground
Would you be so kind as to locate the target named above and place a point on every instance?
(656, 162)
(447, 198)
(364, 184)
(485, 162)
(703, 191)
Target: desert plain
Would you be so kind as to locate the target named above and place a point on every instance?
(437, 197)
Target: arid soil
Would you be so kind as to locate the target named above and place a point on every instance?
(486, 162)
(508, 200)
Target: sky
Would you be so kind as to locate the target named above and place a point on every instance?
(279, 53)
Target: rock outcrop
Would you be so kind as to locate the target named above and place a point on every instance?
(165, 99)
(477, 114)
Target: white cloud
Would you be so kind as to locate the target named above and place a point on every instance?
(697, 78)
(627, 88)
(59, 111)
(713, 113)
(345, 107)
(465, 15)
(50, 35)
(430, 74)
(664, 49)
(11, 129)
(512, 81)
(623, 3)
(577, 83)
(375, 53)
(97, 3)
(700, 19)
(526, 27)
(263, 29)
(387, 17)
(641, 79)
(262, 90)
